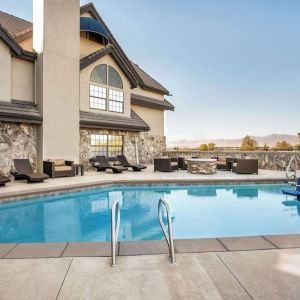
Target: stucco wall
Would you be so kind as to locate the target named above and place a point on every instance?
(270, 160)
(17, 141)
(26, 44)
(59, 89)
(22, 79)
(148, 146)
(146, 93)
(87, 47)
(153, 117)
(85, 75)
(5, 72)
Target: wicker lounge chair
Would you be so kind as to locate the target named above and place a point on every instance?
(245, 166)
(124, 162)
(24, 170)
(165, 165)
(295, 192)
(104, 163)
(3, 180)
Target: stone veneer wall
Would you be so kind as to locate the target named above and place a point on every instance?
(270, 160)
(148, 146)
(17, 140)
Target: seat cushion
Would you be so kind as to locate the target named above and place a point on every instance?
(62, 168)
(58, 162)
(222, 158)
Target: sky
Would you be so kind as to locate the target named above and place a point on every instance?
(232, 66)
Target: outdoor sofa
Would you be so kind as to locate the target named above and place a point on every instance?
(165, 165)
(124, 162)
(59, 168)
(23, 170)
(245, 166)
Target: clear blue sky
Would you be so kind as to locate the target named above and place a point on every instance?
(233, 66)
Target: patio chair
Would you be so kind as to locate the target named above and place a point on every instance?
(24, 170)
(3, 180)
(59, 168)
(224, 163)
(124, 162)
(245, 166)
(295, 192)
(104, 163)
(165, 165)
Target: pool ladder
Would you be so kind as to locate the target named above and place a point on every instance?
(115, 227)
(168, 234)
(288, 171)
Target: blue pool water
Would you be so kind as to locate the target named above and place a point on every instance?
(197, 211)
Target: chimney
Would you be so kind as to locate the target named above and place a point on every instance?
(56, 39)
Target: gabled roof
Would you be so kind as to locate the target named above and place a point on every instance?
(19, 28)
(13, 24)
(19, 111)
(107, 121)
(151, 102)
(143, 78)
(15, 48)
(109, 49)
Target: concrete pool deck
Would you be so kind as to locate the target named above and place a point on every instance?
(256, 274)
(18, 189)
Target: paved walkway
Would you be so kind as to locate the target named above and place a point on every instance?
(259, 274)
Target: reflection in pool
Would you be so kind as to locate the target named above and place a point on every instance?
(197, 211)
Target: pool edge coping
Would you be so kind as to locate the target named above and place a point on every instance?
(49, 191)
(150, 247)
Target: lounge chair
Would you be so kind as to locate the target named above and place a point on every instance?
(3, 180)
(25, 171)
(295, 192)
(124, 162)
(104, 163)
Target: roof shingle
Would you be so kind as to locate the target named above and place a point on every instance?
(98, 120)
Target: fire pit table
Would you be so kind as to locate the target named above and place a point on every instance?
(202, 166)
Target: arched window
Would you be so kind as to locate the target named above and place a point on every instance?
(101, 93)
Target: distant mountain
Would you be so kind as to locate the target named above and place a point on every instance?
(270, 140)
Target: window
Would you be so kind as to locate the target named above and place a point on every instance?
(114, 78)
(99, 74)
(108, 145)
(100, 95)
(116, 100)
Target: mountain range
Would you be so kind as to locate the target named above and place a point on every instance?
(270, 140)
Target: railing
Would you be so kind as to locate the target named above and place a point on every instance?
(115, 226)
(168, 235)
(289, 173)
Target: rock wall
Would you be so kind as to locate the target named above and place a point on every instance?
(270, 160)
(17, 141)
(147, 146)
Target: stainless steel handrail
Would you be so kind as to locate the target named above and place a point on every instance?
(168, 235)
(287, 170)
(115, 226)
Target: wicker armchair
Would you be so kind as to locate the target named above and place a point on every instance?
(59, 168)
(165, 165)
(245, 166)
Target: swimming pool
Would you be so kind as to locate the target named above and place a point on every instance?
(198, 211)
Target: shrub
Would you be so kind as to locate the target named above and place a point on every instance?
(211, 146)
(203, 147)
(284, 146)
